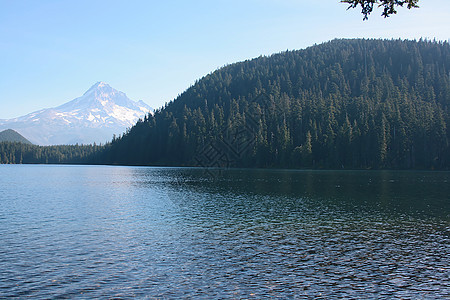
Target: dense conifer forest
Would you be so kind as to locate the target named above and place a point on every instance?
(344, 104)
(22, 153)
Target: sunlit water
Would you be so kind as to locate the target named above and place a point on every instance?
(128, 232)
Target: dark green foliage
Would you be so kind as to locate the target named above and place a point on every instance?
(341, 104)
(20, 153)
(388, 6)
(10, 135)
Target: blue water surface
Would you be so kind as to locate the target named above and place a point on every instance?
(141, 232)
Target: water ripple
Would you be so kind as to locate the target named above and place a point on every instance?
(118, 232)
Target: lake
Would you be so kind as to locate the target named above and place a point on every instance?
(141, 232)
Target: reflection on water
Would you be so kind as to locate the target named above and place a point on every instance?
(124, 232)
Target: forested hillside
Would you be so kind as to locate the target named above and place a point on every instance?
(341, 104)
(10, 135)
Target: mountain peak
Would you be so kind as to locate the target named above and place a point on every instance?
(99, 85)
(94, 117)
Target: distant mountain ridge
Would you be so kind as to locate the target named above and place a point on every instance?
(10, 135)
(96, 116)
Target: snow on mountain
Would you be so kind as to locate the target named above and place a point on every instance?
(94, 117)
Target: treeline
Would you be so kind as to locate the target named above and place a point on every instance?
(21, 153)
(341, 104)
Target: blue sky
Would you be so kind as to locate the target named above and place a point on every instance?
(52, 51)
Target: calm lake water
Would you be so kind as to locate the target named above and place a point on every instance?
(129, 232)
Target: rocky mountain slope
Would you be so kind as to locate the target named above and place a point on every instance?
(94, 117)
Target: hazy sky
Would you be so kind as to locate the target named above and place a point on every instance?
(52, 51)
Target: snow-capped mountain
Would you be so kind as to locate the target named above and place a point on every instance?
(94, 117)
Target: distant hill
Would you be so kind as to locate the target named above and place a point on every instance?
(342, 104)
(10, 135)
(96, 116)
